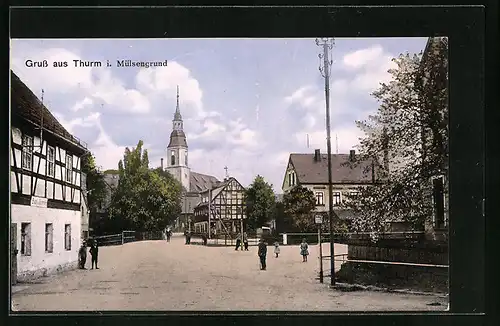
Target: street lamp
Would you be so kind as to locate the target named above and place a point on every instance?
(324, 68)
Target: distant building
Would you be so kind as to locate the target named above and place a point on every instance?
(311, 171)
(193, 183)
(223, 208)
(47, 213)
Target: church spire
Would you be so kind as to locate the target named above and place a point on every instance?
(177, 115)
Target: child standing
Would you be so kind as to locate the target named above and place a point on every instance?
(304, 250)
(276, 248)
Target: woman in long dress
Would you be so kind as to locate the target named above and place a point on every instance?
(304, 250)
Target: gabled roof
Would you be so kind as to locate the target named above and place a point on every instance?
(218, 187)
(199, 182)
(26, 105)
(310, 172)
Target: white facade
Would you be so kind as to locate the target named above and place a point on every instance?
(40, 262)
(46, 204)
(177, 165)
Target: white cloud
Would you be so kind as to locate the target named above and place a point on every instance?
(63, 80)
(371, 67)
(82, 104)
(164, 80)
(361, 58)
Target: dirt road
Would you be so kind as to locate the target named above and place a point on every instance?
(156, 275)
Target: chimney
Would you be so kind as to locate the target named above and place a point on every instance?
(352, 155)
(161, 160)
(317, 155)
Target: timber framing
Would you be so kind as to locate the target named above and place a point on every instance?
(226, 205)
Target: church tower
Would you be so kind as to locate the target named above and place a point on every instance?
(177, 150)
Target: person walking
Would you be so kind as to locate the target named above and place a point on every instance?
(276, 248)
(169, 234)
(238, 241)
(94, 253)
(82, 255)
(304, 250)
(262, 253)
(245, 241)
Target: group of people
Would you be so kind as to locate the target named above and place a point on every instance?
(94, 253)
(262, 251)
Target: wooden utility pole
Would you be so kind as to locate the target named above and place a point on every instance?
(324, 68)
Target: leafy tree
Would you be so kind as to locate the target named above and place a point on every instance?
(96, 187)
(145, 199)
(261, 201)
(299, 204)
(409, 134)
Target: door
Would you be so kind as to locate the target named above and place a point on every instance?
(13, 253)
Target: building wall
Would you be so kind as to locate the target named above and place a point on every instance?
(179, 170)
(40, 263)
(344, 190)
(46, 185)
(43, 193)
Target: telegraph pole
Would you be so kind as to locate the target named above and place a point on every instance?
(324, 68)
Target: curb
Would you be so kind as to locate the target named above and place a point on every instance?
(346, 287)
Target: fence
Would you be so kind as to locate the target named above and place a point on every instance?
(126, 237)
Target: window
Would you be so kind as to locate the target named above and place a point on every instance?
(319, 198)
(172, 158)
(51, 158)
(336, 199)
(49, 233)
(27, 158)
(67, 236)
(293, 178)
(186, 159)
(438, 200)
(26, 239)
(69, 168)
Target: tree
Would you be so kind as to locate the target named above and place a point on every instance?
(145, 199)
(261, 201)
(409, 133)
(299, 204)
(96, 186)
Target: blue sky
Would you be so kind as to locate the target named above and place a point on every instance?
(246, 103)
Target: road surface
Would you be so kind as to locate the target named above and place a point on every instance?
(156, 275)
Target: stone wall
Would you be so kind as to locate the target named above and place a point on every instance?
(397, 276)
(416, 278)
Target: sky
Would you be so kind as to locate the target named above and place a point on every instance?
(246, 103)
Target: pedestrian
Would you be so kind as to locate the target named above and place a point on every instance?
(304, 250)
(262, 252)
(94, 253)
(238, 241)
(205, 239)
(276, 248)
(169, 234)
(189, 237)
(245, 241)
(82, 255)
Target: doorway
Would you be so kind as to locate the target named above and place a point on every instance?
(13, 253)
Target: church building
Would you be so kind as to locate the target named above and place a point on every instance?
(193, 183)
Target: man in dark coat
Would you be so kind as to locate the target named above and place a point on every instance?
(94, 253)
(245, 241)
(262, 252)
(238, 241)
(82, 255)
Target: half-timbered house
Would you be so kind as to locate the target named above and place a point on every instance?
(223, 208)
(46, 198)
